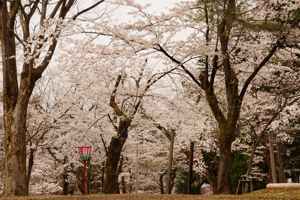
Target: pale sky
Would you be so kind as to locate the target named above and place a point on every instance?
(159, 5)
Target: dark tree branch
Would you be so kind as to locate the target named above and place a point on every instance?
(87, 9)
(258, 68)
(161, 49)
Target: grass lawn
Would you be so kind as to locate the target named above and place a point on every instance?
(281, 193)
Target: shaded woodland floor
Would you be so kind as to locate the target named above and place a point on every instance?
(282, 193)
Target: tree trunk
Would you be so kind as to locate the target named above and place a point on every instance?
(295, 177)
(15, 152)
(173, 176)
(224, 171)
(281, 174)
(211, 170)
(65, 182)
(30, 165)
(102, 177)
(212, 180)
(268, 159)
(161, 183)
(111, 185)
(16, 93)
(14, 108)
(123, 185)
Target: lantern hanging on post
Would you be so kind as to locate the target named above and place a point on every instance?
(84, 155)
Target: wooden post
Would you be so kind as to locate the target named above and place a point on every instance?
(273, 166)
(102, 177)
(168, 189)
(136, 166)
(84, 177)
(244, 188)
(238, 187)
(189, 189)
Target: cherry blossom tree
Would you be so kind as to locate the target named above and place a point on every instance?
(60, 119)
(35, 25)
(227, 44)
(128, 79)
(220, 48)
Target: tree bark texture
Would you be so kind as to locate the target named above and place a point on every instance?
(267, 153)
(15, 104)
(14, 113)
(15, 153)
(213, 180)
(281, 174)
(65, 182)
(30, 165)
(173, 176)
(161, 182)
(224, 170)
(212, 169)
(111, 185)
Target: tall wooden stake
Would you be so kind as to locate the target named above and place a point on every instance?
(84, 165)
(170, 164)
(136, 167)
(189, 189)
(273, 166)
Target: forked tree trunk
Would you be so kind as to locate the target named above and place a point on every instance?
(14, 107)
(227, 128)
(16, 93)
(234, 98)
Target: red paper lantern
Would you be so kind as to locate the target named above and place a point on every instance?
(84, 155)
(84, 152)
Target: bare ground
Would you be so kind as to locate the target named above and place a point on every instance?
(281, 193)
